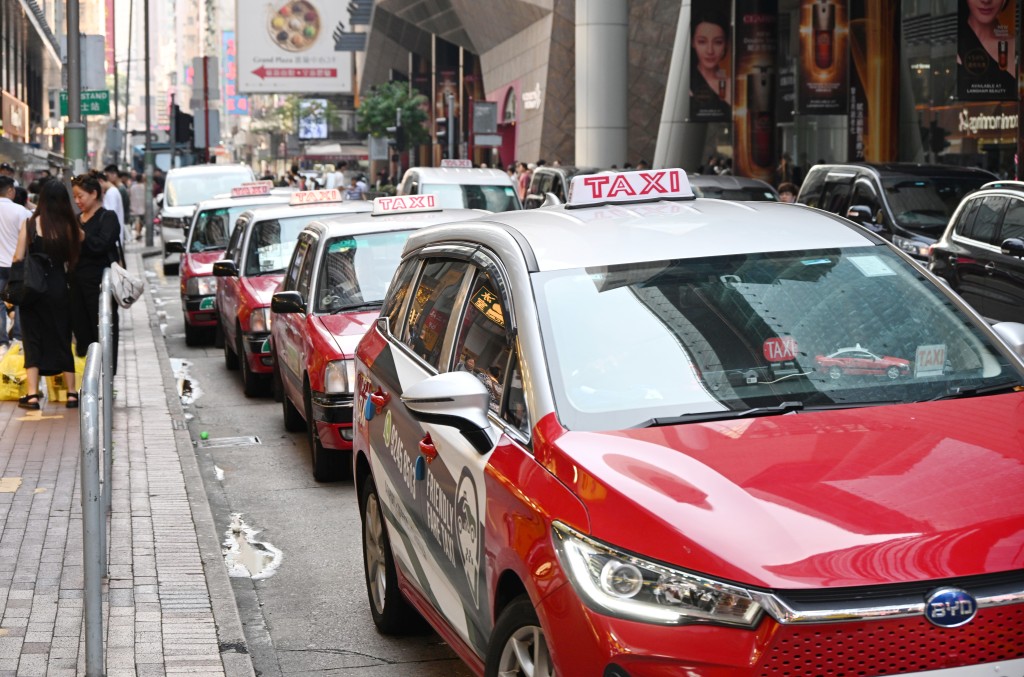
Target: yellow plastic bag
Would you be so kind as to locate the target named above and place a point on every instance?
(55, 386)
(13, 383)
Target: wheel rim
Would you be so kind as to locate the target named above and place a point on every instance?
(526, 654)
(894, 373)
(373, 538)
(835, 372)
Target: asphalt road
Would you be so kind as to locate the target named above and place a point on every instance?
(307, 613)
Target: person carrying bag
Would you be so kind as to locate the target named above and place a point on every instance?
(28, 280)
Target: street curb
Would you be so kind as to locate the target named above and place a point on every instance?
(234, 651)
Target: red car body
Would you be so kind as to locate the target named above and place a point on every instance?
(199, 310)
(237, 297)
(860, 362)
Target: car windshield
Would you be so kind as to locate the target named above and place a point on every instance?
(193, 189)
(356, 270)
(271, 243)
(927, 203)
(212, 228)
(491, 198)
(723, 335)
(751, 193)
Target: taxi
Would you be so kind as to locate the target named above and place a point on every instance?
(206, 241)
(253, 266)
(593, 439)
(332, 293)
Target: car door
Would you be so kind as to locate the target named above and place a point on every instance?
(976, 262)
(291, 354)
(227, 287)
(1007, 274)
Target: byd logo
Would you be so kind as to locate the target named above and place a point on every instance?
(950, 607)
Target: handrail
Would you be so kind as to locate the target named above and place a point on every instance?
(93, 520)
(107, 345)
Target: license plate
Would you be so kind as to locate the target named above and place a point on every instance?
(1014, 668)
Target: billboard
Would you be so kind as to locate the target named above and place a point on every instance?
(287, 47)
(756, 44)
(710, 62)
(986, 50)
(824, 32)
(313, 119)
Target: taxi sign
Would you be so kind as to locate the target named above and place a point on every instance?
(404, 204)
(308, 197)
(461, 164)
(251, 189)
(629, 187)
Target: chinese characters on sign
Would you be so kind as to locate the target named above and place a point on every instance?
(234, 104)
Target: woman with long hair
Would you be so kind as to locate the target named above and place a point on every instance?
(46, 323)
(100, 247)
(710, 84)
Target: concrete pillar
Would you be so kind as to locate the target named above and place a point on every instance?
(680, 143)
(602, 65)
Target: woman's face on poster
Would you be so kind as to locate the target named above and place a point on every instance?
(984, 11)
(709, 43)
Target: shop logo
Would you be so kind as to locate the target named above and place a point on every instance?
(531, 100)
(981, 122)
(950, 607)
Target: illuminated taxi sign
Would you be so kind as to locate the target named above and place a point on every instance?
(629, 187)
(404, 204)
(309, 197)
(461, 164)
(251, 188)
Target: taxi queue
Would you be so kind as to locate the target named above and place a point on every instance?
(600, 438)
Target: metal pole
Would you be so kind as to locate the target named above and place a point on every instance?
(206, 105)
(450, 98)
(92, 522)
(113, 51)
(74, 130)
(149, 145)
(174, 133)
(107, 311)
(128, 158)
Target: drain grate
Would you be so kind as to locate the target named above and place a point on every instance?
(229, 442)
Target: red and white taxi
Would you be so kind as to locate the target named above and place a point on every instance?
(207, 239)
(252, 268)
(331, 294)
(559, 469)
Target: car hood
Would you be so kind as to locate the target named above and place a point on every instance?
(262, 287)
(348, 329)
(840, 498)
(201, 263)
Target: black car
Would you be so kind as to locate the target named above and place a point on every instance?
(735, 188)
(554, 180)
(909, 204)
(980, 254)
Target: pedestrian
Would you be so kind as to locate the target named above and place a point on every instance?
(788, 192)
(8, 171)
(12, 215)
(354, 192)
(100, 247)
(643, 165)
(112, 196)
(137, 204)
(46, 323)
(21, 198)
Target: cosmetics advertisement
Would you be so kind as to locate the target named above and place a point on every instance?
(824, 31)
(756, 43)
(986, 50)
(710, 62)
(873, 88)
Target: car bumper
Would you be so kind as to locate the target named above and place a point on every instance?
(588, 643)
(257, 353)
(332, 416)
(200, 311)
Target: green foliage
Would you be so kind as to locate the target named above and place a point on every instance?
(377, 112)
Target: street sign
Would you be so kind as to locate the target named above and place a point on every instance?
(94, 102)
(487, 139)
(199, 127)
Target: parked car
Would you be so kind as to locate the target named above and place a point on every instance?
(908, 204)
(860, 362)
(331, 294)
(556, 470)
(252, 268)
(554, 180)
(732, 188)
(463, 188)
(186, 187)
(980, 254)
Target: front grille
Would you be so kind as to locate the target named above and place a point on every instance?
(845, 596)
(892, 647)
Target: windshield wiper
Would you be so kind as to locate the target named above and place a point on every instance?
(366, 305)
(957, 392)
(781, 408)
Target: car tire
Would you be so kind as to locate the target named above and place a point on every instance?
(276, 387)
(392, 613)
(230, 356)
(293, 421)
(253, 384)
(893, 373)
(835, 373)
(328, 464)
(193, 335)
(517, 645)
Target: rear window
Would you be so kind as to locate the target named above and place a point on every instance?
(752, 193)
(927, 204)
(193, 189)
(491, 198)
(212, 229)
(271, 244)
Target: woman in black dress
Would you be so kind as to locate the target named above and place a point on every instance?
(46, 323)
(100, 247)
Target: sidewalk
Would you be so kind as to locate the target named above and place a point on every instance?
(168, 605)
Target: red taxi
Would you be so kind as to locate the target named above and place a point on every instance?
(253, 266)
(207, 239)
(557, 467)
(331, 294)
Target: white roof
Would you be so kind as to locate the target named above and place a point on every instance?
(358, 224)
(251, 201)
(199, 170)
(461, 176)
(314, 209)
(563, 238)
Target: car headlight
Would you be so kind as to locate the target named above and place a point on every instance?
(912, 247)
(259, 320)
(205, 285)
(623, 585)
(339, 376)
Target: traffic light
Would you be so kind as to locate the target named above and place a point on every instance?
(183, 126)
(442, 135)
(397, 134)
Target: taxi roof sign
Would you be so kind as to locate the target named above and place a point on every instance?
(462, 163)
(405, 204)
(252, 188)
(308, 197)
(649, 185)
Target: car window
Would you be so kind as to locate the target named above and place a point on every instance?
(235, 243)
(432, 307)
(983, 227)
(558, 187)
(355, 270)
(927, 203)
(190, 190)
(299, 257)
(864, 195)
(399, 290)
(482, 347)
(836, 198)
(515, 409)
(966, 218)
(491, 198)
(1013, 221)
(305, 274)
(810, 191)
(271, 243)
(211, 230)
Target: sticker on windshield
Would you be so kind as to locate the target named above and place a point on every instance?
(871, 266)
(341, 245)
(930, 360)
(779, 349)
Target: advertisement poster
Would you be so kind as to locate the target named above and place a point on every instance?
(986, 50)
(287, 47)
(858, 105)
(313, 119)
(233, 103)
(710, 62)
(756, 42)
(824, 30)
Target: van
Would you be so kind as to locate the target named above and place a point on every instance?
(909, 204)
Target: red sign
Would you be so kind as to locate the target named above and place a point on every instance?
(779, 349)
(251, 190)
(308, 197)
(263, 72)
(404, 203)
(629, 187)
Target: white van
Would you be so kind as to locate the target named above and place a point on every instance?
(463, 187)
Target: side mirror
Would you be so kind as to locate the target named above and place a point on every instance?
(287, 302)
(550, 200)
(1013, 246)
(1012, 334)
(860, 214)
(225, 268)
(457, 399)
(174, 247)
